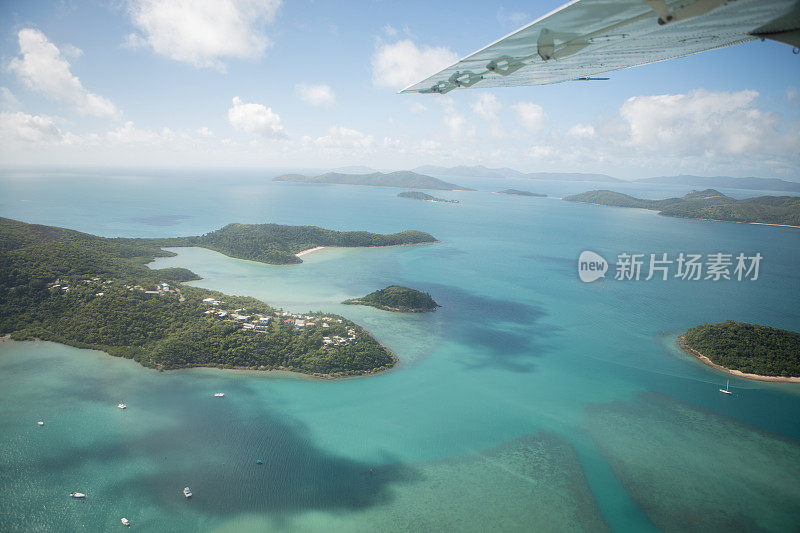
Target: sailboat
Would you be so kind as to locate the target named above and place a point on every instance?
(725, 390)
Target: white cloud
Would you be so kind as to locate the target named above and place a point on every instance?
(390, 30)
(791, 94)
(530, 116)
(542, 151)
(29, 128)
(701, 123)
(487, 105)
(457, 124)
(255, 119)
(130, 134)
(699, 132)
(42, 68)
(8, 102)
(316, 95)
(203, 32)
(341, 137)
(71, 51)
(417, 108)
(403, 63)
(585, 131)
(205, 132)
(513, 19)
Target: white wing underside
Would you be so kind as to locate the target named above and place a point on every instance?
(589, 37)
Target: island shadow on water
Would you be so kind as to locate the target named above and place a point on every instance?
(223, 443)
(503, 334)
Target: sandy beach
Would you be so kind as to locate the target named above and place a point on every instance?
(304, 252)
(737, 373)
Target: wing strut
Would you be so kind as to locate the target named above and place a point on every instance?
(683, 12)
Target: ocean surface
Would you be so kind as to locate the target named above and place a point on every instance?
(529, 402)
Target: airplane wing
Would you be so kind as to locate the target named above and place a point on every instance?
(588, 37)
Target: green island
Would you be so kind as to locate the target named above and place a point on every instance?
(398, 299)
(415, 195)
(88, 291)
(517, 192)
(404, 178)
(746, 350)
(279, 245)
(708, 204)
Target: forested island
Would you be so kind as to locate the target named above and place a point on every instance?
(397, 298)
(415, 195)
(517, 192)
(405, 179)
(87, 291)
(708, 204)
(747, 350)
(278, 245)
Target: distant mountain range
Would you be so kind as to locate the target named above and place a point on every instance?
(480, 171)
(421, 178)
(757, 184)
(404, 179)
(708, 204)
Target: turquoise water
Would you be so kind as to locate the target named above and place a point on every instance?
(528, 401)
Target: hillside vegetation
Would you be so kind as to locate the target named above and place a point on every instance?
(277, 244)
(749, 348)
(708, 204)
(397, 298)
(416, 195)
(92, 292)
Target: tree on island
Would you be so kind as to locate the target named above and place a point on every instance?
(397, 298)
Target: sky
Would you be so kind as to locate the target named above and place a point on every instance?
(314, 84)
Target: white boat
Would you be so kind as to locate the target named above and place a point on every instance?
(187, 492)
(125, 521)
(77, 494)
(40, 423)
(122, 406)
(725, 390)
(219, 394)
